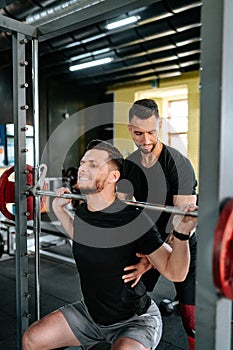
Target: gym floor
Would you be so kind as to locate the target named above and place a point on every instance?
(60, 285)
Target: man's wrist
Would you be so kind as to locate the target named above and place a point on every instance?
(181, 236)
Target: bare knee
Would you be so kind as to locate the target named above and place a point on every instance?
(27, 341)
(128, 344)
(30, 340)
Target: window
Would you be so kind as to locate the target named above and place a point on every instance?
(178, 125)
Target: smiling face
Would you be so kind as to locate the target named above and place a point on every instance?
(94, 171)
(145, 133)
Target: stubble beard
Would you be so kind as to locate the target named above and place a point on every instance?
(99, 185)
(144, 151)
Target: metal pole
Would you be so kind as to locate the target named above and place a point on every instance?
(19, 109)
(213, 312)
(36, 216)
(150, 206)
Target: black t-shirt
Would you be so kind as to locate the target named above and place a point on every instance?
(171, 175)
(101, 262)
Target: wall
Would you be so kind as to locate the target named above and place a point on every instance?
(6, 114)
(74, 116)
(6, 97)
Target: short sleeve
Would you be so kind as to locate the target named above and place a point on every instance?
(186, 178)
(150, 241)
(181, 173)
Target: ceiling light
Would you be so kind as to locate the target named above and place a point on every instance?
(164, 68)
(89, 54)
(92, 38)
(189, 26)
(122, 22)
(188, 7)
(187, 42)
(189, 63)
(90, 64)
(169, 75)
(188, 53)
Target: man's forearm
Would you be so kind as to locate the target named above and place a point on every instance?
(65, 219)
(179, 260)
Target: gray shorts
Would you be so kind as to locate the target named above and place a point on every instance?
(146, 328)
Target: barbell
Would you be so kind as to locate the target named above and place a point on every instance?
(8, 196)
(150, 206)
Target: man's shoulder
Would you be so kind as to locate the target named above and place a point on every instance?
(133, 161)
(171, 154)
(132, 165)
(135, 155)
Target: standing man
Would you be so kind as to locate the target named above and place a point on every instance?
(111, 310)
(162, 175)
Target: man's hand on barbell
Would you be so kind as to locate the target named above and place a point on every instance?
(186, 224)
(58, 201)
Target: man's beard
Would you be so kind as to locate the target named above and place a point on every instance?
(144, 150)
(91, 190)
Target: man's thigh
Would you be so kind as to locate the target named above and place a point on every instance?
(129, 344)
(51, 332)
(145, 330)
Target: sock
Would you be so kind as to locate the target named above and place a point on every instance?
(191, 341)
(187, 313)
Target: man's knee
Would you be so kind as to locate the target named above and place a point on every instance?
(127, 344)
(27, 340)
(30, 340)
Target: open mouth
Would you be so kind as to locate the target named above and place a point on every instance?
(83, 178)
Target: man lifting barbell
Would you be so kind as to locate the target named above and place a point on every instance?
(106, 235)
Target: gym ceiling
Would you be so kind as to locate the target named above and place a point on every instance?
(165, 41)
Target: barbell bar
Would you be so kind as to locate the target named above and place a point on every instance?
(7, 195)
(156, 207)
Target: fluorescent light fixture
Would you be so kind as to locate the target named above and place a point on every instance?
(189, 63)
(172, 66)
(187, 42)
(91, 64)
(122, 22)
(168, 75)
(92, 38)
(89, 54)
(189, 53)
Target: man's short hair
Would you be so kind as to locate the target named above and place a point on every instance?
(144, 109)
(114, 154)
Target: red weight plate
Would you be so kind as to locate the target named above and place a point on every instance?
(7, 192)
(223, 252)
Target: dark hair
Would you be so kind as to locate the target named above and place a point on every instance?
(114, 154)
(144, 109)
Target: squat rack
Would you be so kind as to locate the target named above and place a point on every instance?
(213, 326)
(21, 34)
